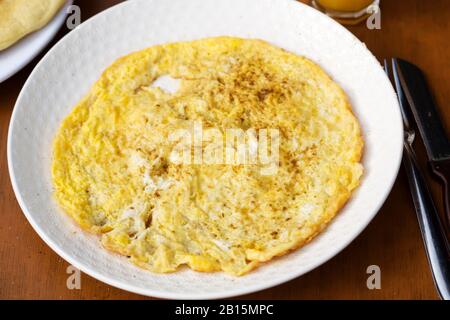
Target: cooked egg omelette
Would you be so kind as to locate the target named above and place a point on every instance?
(21, 17)
(113, 172)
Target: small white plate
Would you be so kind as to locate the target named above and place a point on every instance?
(14, 58)
(68, 70)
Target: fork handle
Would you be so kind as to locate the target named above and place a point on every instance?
(433, 235)
(441, 169)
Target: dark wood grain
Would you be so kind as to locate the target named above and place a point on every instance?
(415, 30)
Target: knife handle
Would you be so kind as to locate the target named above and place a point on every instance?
(441, 169)
(430, 225)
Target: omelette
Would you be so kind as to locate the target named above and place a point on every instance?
(21, 17)
(114, 172)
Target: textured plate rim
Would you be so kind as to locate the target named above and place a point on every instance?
(219, 294)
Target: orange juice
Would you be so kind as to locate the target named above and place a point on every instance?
(345, 5)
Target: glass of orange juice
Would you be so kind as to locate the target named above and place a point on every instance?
(346, 11)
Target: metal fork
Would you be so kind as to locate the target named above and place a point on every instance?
(433, 235)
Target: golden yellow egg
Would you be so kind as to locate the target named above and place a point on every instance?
(114, 173)
(21, 17)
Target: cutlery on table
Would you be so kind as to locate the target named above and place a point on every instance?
(429, 124)
(433, 235)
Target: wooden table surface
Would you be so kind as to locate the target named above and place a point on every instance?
(418, 31)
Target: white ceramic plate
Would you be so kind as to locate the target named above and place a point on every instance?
(14, 58)
(68, 70)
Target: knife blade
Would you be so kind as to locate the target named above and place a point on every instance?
(430, 126)
(424, 110)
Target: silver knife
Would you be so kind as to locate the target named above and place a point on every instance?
(430, 225)
(429, 124)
